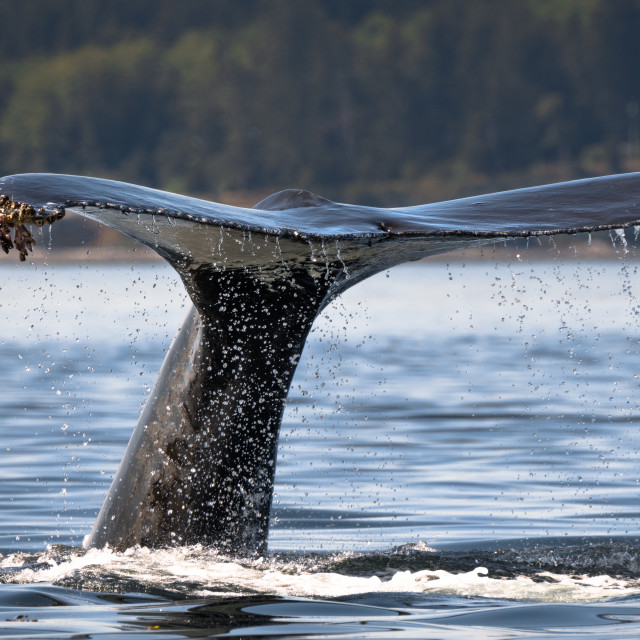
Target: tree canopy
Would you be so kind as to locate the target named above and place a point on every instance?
(344, 98)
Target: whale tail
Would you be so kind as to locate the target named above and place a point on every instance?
(200, 464)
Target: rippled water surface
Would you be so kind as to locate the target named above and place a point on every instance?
(459, 458)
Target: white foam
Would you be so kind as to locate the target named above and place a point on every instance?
(203, 573)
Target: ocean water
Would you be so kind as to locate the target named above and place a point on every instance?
(459, 458)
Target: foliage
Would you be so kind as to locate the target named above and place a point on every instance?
(210, 96)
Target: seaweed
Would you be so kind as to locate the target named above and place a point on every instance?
(15, 216)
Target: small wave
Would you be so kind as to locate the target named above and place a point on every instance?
(572, 574)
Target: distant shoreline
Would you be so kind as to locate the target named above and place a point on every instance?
(557, 248)
(98, 255)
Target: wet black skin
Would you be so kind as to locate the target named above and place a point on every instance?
(213, 482)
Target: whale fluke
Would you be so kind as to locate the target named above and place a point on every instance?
(201, 461)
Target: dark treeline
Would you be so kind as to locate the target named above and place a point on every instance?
(349, 98)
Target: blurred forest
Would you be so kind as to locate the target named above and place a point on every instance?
(383, 102)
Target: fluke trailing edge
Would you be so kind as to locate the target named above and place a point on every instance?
(201, 461)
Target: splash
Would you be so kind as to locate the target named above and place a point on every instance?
(195, 571)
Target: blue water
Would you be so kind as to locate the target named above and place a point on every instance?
(459, 458)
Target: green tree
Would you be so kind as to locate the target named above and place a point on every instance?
(91, 110)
